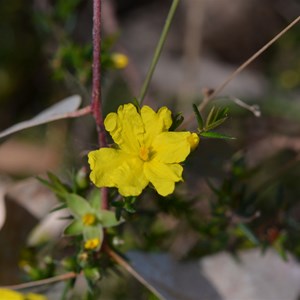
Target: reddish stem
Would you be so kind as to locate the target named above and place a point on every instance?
(96, 104)
(96, 93)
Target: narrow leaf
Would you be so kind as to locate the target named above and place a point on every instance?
(198, 116)
(75, 228)
(59, 207)
(215, 124)
(60, 195)
(210, 116)
(78, 205)
(95, 199)
(177, 121)
(109, 219)
(216, 135)
(248, 233)
(55, 112)
(57, 184)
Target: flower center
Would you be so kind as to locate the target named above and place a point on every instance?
(91, 244)
(144, 153)
(88, 219)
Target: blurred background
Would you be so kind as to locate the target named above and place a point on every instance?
(45, 56)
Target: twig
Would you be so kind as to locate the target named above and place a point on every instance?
(123, 263)
(158, 50)
(78, 113)
(31, 284)
(209, 96)
(96, 92)
(255, 109)
(249, 61)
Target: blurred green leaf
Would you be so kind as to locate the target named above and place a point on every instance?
(78, 205)
(108, 218)
(248, 233)
(176, 121)
(75, 228)
(92, 274)
(279, 246)
(216, 135)
(94, 198)
(215, 118)
(60, 189)
(198, 117)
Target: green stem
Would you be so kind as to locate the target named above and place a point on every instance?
(158, 50)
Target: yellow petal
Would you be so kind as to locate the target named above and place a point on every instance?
(126, 128)
(193, 140)
(116, 168)
(155, 123)
(33, 296)
(163, 176)
(171, 147)
(10, 294)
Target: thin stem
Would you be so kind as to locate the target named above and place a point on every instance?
(96, 92)
(31, 284)
(248, 62)
(78, 113)
(209, 96)
(158, 50)
(123, 263)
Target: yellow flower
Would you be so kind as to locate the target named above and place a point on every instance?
(147, 152)
(120, 60)
(89, 219)
(10, 295)
(32, 296)
(92, 244)
(7, 294)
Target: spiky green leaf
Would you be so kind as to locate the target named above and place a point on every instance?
(198, 116)
(216, 135)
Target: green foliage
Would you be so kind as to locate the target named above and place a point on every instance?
(36, 267)
(215, 118)
(243, 209)
(177, 121)
(123, 205)
(216, 135)
(60, 189)
(65, 9)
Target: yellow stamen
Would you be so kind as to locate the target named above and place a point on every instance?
(144, 153)
(88, 219)
(92, 244)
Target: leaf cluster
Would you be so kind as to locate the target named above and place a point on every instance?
(215, 118)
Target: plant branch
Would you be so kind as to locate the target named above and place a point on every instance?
(209, 96)
(31, 284)
(158, 50)
(77, 113)
(96, 105)
(248, 62)
(123, 263)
